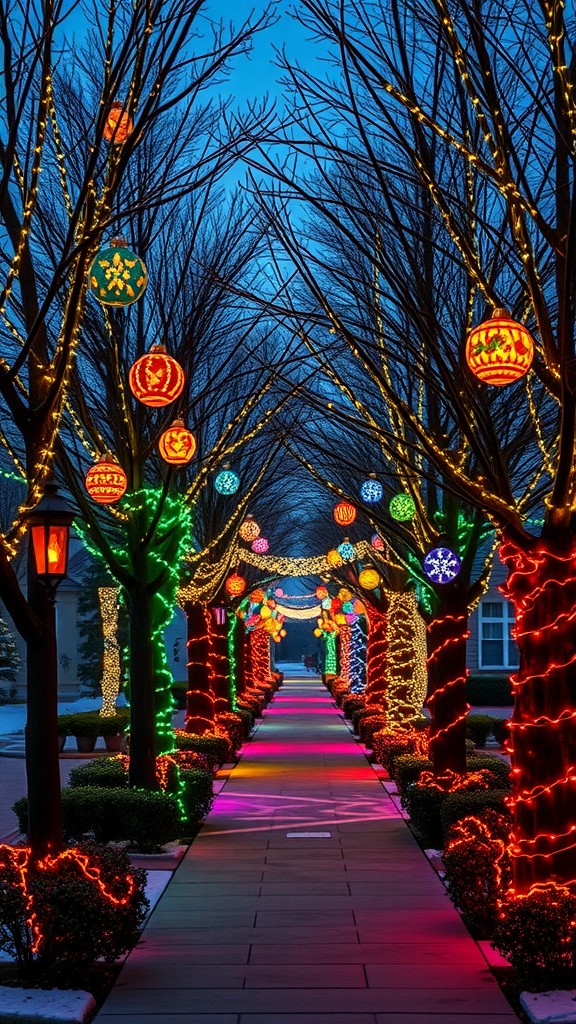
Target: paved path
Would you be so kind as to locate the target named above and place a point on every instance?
(268, 921)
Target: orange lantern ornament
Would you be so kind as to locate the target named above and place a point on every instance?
(249, 529)
(106, 482)
(177, 444)
(235, 585)
(257, 596)
(119, 125)
(369, 578)
(334, 558)
(500, 350)
(321, 592)
(156, 379)
(344, 513)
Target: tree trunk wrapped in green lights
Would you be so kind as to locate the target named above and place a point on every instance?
(542, 586)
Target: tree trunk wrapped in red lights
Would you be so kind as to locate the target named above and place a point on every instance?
(344, 645)
(218, 654)
(376, 652)
(542, 586)
(446, 638)
(260, 656)
(199, 696)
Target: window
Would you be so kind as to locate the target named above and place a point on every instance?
(497, 646)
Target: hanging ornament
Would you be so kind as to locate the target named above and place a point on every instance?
(106, 482)
(441, 564)
(117, 276)
(279, 592)
(344, 513)
(260, 545)
(119, 125)
(321, 592)
(346, 551)
(334, 558)
(177, 444)
(371, 490)
(249, 529)
(235, 585)
(257, 596)
(227, 482)
(156, 379)
(500, 350)
(377, 543)
(369, 578)
(402, 507)
(344, 594)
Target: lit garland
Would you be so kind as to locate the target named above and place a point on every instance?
(542, 586)
(406, 679)
(233, 626)
(300, 613)
(317, 565)
(111, 667)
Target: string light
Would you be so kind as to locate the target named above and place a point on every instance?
(376, 650)
(406, 677)
(199, 694)
(111, 667)
(330, 654)
(357, 659)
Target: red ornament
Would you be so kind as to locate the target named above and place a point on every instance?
(235, 585)
(177, 444)
(500, 350)
(321, 593)
(156, 379)
(119, 124)
(344, 513)
(106, 482)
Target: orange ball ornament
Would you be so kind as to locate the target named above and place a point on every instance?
(344, 513)
(177, 444)
(119, 125)
(249, 529)
(257, 596)
(235, 585)
(499, 351)
(106, 482)
(334, 558)
(156, 379)
(321, 593)
(369, 578)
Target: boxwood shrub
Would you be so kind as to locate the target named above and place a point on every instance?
(146, 820)
(247, 716)
(489, 691)
(197, 795)
(214, 746)
(92, 723)
(462, 805)
(231, 724)
(406, 769)
(103, 771)
(478, 727)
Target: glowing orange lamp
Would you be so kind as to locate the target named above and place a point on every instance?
(344, 513)
(499, 351)
(177, 444)
(156, 379)
(106, 482)
(119, 125)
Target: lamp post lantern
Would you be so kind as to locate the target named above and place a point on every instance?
(49, 530)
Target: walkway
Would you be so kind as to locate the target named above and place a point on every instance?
(305, 900)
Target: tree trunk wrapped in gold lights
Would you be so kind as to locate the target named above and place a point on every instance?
(405, 671)
(542, 586)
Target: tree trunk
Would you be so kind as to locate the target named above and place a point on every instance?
(542, 586)
(199, 696)
(142, 689)
(248, 666)
(239, 682)
(446, 638)
(405, 660)
(376, 654)
(219, 662)
(344, 641)
(41, 734)
(260, 651)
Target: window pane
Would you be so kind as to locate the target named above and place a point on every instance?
(492, 653)
(492, 630)
(492, 609)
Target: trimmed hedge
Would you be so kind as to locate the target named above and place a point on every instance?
(406, 769)
(477, 866)
(147, 820)
(215, 747)
(247, 717)
(232, 725)
(92, 723)
(478, 727)
(463, 805)
(489, 691)
(498, 767)
(108, 772)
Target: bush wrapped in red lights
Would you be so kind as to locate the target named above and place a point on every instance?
(537, 933)
(478, 866)
(425, 797)
(71, 909)
(390, 743)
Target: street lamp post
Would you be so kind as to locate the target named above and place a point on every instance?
(49, 531)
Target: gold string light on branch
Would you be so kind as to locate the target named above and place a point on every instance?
(111, 668)
(316, 565)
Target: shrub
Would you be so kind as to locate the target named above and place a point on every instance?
(425, 798)
(537, 934)
(463, 805)
(489, 691)
(388, 744)
(146, 820)
(55, 914)
(104, 771)
(500, 730)
(496, 766)
(196, 794)
(478, 727)
(406, 769)
(246, 715)
(371, 724)
(352, 702)
(250, 702)
(92, 723)
(214, 746)
(478, 865)
(231, 724)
